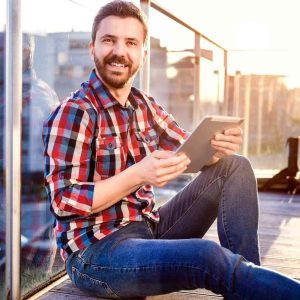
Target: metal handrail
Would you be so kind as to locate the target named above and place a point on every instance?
(176, 19)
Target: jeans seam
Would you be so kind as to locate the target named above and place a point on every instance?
(224, 222)
(149, 227)
(171, 266)
(99, 282)
(190, 207)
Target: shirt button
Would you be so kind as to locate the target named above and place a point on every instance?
(110, 145)
(147, 140)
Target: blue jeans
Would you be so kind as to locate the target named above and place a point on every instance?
(144, 259)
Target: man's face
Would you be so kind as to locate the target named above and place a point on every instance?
(118, 50)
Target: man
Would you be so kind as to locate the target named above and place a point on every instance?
(106, 147)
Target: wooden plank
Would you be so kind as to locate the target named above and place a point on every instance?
(185, 296)
(281, 261)
(173, 296)
(68, 287)
(62, 296)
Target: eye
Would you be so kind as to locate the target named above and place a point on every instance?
(131, 43)
(107, 40)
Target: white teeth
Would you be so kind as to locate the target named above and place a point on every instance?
(118, 65)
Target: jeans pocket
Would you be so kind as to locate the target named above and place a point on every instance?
(85, 282)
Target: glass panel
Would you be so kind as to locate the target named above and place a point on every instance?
(172, 67)
(2, 120)
(172, 80)
(55, 62)
(38, 99)
(265, 89)
(211, 78)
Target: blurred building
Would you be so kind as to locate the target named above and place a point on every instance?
(269, 109)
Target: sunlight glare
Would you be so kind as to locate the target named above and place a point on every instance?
(252, 35)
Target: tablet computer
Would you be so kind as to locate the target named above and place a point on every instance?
(197, 146)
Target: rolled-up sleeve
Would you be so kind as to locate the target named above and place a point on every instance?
(68, 136)
(171, 134)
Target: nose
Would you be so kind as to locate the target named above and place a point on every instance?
(119, 48)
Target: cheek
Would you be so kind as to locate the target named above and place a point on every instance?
(102, 52)
(137, 57)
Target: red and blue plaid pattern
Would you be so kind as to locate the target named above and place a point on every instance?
(91, 137)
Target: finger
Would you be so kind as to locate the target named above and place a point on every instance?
(231, 144)
(162, 154)
(227, 138)
(225, 151)
(173, 161)
(225, 145)
(171, 176)
(170, 169)
(234, 131)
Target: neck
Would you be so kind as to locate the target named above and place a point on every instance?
(120, 94)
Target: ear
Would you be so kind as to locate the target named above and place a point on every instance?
(145, 55)
(91, 49)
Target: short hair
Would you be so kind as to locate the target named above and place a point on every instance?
(122, 9)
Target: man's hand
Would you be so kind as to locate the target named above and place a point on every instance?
(160, 167)
(226, 143)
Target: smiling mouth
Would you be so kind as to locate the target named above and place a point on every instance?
(118, 65)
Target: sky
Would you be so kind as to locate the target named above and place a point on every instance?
(234, 24)
(243, 24)
(270, 28)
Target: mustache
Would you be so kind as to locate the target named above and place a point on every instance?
(117, 59)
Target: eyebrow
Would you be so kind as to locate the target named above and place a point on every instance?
(107, 36)
(114, 37)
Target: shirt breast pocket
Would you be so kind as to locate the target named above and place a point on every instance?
(110, 156)
(148, 140)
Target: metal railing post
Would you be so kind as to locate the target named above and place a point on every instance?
(145, 71)
(13, 107)
(226, 85)
(197, 107)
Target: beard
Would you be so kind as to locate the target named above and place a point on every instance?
(115, 79)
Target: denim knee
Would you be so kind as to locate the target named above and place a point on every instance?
(218, 256)
(220, 265)
(237, 160)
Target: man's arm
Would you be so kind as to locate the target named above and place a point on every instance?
(68, 134)
(156, 169)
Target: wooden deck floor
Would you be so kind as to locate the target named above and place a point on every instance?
(279, 239)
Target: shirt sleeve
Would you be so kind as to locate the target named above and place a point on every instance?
(171, 135)
(68, 136)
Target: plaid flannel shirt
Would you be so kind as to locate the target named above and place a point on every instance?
(91, 137)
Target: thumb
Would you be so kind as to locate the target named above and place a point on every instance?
(162, 154)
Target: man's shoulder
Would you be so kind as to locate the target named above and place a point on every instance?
(72, 107)
(80, 99)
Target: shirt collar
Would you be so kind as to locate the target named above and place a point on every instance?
(105, 97)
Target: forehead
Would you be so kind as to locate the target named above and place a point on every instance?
(121, 27)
